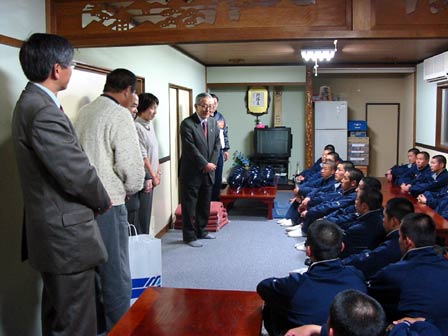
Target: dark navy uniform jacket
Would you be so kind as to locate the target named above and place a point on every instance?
(415, 175)
(416, 286)
(300, 299)
(438, 201)
(343, 217)
(434, 183)
(315, 168)
(371, 261)
(399, 170)
(345, 199)
(304, 190)
(367, 232)
(324, 194)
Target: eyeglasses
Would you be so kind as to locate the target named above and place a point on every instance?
(206, 106)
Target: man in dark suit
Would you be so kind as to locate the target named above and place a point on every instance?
(200, 149)
(61, 191)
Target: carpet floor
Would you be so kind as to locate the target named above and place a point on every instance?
(247, 250)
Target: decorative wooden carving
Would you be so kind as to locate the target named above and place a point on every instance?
(99, 22)
(309, 129)
(410, 15)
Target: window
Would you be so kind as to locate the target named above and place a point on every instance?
(442, 118)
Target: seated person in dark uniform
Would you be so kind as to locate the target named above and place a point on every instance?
(315, 168)
(300, 299)
(417, 174)
(394, 174)
(367, 231)
(416, 286)
(292, 216)
(345, 216)
(438, 177)
(351, 313)
(371, 261)
(346, 198)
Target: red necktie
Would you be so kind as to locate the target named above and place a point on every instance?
(204, 127)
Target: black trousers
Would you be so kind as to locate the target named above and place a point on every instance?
(195, 204)
(68, 304)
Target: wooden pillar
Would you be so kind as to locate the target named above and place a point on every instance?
(309, 130)
(278, 91)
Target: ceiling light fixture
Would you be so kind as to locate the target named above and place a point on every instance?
(315, 55)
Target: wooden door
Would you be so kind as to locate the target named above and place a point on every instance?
(383, 120)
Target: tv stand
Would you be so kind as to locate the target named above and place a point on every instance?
(280, 166)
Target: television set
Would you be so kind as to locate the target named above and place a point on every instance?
(272, 143)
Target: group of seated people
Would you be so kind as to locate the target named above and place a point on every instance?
(385, 257)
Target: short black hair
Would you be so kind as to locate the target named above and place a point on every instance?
(145, 100)
(347, 164)
(329, 147)
(425, 154)
(440, 159)
(41, 52)
(325, 239)
(335, 155)
(372, 197)
(354, 313)
(355, 174)
(420, 228)
(119, 80)
(214, 96)
(414, 150)
(398, 207)
(371, 183)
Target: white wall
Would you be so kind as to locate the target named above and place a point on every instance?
(20, 285)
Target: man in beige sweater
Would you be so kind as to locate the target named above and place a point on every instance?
(107, 133)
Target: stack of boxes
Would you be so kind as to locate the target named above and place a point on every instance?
(358, 144)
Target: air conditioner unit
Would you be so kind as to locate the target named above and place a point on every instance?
(435, 69)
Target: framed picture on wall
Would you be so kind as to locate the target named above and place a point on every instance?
(257, 100)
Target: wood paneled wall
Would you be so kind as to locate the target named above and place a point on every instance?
(114, 22)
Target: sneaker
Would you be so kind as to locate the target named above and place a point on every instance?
(295, 233)
(281, 221)
(287, 223)
(194, 243)
(293, 228)
(300, 247)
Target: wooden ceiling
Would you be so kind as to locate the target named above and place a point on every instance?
(350, 53)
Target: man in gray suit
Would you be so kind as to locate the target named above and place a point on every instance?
(61, 191)
(200, 149)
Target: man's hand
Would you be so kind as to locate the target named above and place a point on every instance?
(421, 199)
(209, 167)
(156, 180)
(406, 187)
(225, 155)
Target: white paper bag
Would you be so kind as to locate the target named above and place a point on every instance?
(145, 262)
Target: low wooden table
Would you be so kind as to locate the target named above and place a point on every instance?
(390, 190)
(192, 312)
(262, 194)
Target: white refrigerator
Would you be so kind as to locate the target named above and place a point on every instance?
(330, 127)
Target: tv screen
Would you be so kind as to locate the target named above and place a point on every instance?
(272, 142)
